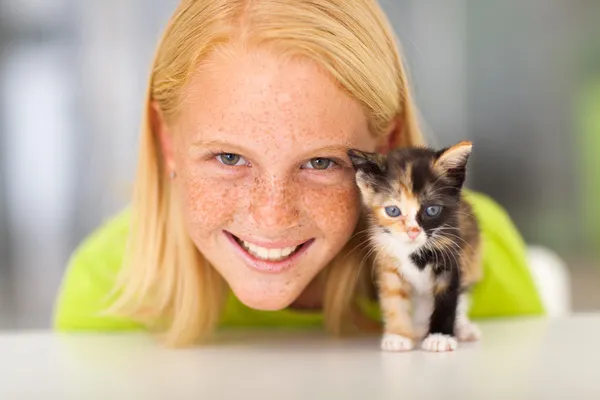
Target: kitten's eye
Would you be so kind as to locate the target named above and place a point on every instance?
(231, 159)
(392, 211)
(433, 211)
(319, 163)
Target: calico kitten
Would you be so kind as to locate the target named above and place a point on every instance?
(426, 243)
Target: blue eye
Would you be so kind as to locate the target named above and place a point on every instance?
(433, 211)
(392, 211)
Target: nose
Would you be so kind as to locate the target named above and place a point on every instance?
(413, 232)
(274, 204)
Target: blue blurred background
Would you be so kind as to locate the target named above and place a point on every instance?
(521, 78)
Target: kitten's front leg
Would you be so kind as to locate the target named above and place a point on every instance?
(422, 310)
(441, 329)
(394, 297)
(465, 329)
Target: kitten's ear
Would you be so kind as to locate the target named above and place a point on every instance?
(369, 163)
(454, 157)
(369, 168)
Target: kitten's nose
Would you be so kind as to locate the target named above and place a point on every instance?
(413, 232)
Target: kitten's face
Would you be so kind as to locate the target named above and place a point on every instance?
(412, 195)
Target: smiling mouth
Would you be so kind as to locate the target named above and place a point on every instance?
(272, 258)
(269, 254)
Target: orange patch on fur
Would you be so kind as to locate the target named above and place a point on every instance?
(440, 287)
(394, 295)
(397, 323)
(392, 292)
(382, 219)
(403, 179)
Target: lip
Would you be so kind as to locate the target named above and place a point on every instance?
(273, 267)
(271, 245)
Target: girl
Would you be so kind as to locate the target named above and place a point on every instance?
(245, 211)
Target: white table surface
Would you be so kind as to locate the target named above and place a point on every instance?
(517, 359)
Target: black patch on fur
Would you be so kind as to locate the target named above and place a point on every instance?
(421, 174)
(372, 164)
(422, 258)
(445, 304)
(441, 261)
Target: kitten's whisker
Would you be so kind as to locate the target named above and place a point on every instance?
(445, 249)
(375, 248)
(365, 257)
(444, 188)
(459, 238)
(360, 244)
(375, 270)
(456, 245)
(437, 262)
(466, 214)
(362, 263)
(454, 251)
(446, 226)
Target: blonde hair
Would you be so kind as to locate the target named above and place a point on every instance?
(165, 281)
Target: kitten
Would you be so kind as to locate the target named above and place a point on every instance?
(426, 243)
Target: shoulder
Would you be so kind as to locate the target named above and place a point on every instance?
(507, 287)
(90, 277)
(489, 213)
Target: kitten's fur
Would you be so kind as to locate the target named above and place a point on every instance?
(433, 271)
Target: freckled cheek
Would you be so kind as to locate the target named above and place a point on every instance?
(210, 203)
(335, 211)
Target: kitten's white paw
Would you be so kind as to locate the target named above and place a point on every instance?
(437, 342)
(393, 342)
(467, 331)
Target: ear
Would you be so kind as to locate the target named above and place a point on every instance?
(163, 134)
(452, 162)
(370, 168)
(390, 138)
(454, 157)
(369, 163)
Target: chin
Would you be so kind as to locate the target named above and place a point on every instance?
(416, 246)
(266, 297)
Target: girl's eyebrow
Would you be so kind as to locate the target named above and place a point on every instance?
(332, 149)
(340, 152)
(212, 143)
(341, 149)
(221, 145)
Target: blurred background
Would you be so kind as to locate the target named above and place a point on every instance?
(521, 78)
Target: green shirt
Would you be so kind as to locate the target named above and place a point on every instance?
(506, 290)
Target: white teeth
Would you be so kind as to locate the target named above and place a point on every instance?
(274, 254)
(262, 252)
(268, 254)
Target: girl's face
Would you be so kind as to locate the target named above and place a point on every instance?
(266, 185)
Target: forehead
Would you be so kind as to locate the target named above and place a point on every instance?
(415, 174)
(412, 173)
(261, 100)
